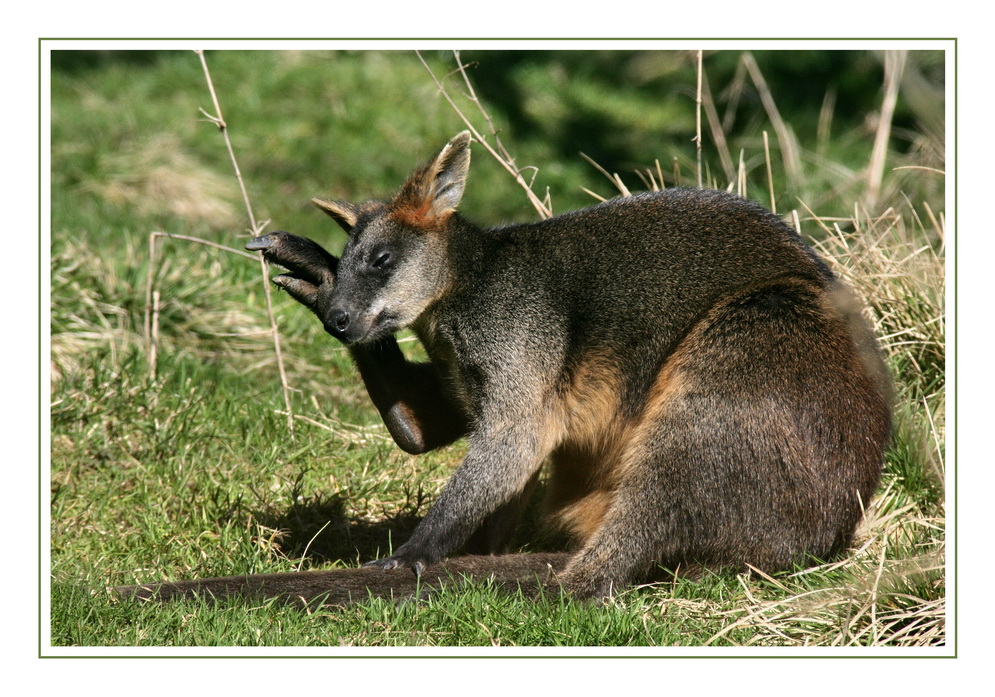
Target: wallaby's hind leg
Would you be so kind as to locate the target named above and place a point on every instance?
(760, 442)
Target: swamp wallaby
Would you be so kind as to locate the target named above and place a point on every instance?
(704, 390)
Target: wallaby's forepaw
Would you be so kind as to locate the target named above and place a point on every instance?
(395, 563)
(304, 258)
(309, 264)
(402, 558)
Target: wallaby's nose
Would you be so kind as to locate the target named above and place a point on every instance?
(345, 325)
(339, 321)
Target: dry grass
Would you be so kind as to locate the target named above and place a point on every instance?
(889, 592)
(96, 309)
(158, 177)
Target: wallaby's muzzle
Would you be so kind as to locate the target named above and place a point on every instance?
(349, 324)
(338, 322)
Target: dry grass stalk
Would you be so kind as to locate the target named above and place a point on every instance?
(613, 178)
(894, 66)
(786, 139)
(717, 133)
(591, 193)
(218, 120)
(697, 120)
(741, 175)
(154, 337)
(208, 243)
(824, 128)
(498, 151)
(149, 282)
(770, 175)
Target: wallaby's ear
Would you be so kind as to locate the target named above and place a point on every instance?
(345, 214)
(433, 192)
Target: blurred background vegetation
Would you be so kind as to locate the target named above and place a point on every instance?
(130, 154)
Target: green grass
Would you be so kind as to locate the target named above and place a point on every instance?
(195, 473)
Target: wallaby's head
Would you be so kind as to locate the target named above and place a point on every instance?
(395, 264)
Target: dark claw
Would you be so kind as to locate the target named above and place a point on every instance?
(261, 243)
(385, 564)
(393, 563)
(299, 289)
(304, 258)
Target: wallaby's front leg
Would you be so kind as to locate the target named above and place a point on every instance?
(504, 457)
(418, 412)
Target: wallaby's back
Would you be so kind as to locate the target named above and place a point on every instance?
(627, 278)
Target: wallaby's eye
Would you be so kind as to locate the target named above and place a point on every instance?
(381, 260)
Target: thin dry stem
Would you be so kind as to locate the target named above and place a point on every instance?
(786, 139)
(613, 178)
(741, 179)
(208, 243)
(154, 338)
(588, 191)
(308, 545)
(733, 93)
(218, 119)
(922, 167)
(503, 157)
(770, 175)
(697, 121)
(894, 66)
(825, 125)
(149, 280)
(715, 127)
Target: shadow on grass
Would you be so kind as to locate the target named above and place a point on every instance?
(320, 531)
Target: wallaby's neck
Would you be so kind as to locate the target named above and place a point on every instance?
(468, 248)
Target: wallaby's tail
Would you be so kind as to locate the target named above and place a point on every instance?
(348, 586)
